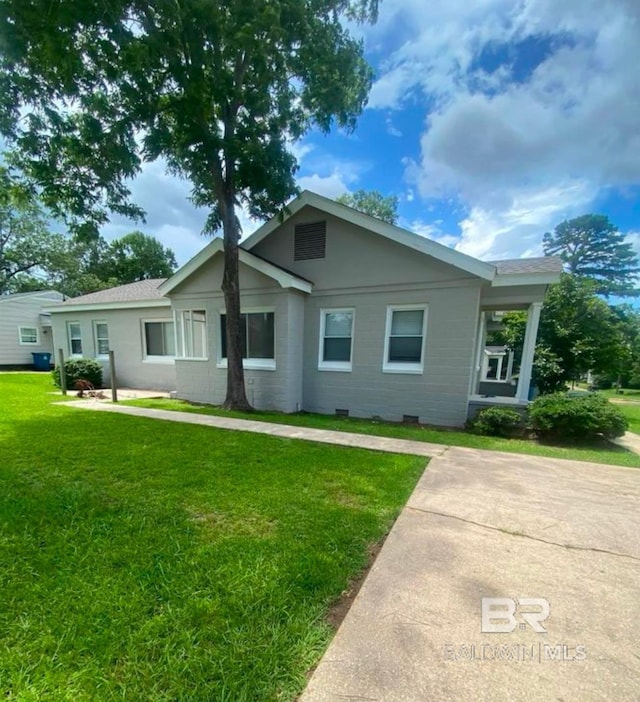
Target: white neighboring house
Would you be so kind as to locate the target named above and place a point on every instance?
(135, 321)
(25, 327)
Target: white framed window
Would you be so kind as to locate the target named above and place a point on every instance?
(404, 339)
(74, 335)
(191, 334)
(497, 365)
(257, 330)
(101, 339)
(159, 340)
(28, 336)
(336, 339)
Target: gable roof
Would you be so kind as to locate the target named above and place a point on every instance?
(285, 278)
(143, 293)
(484, 270)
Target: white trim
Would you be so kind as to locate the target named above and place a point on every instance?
(96, 345)
(400, 367)
(70, 339)
(338, 366)
(511, 279)
(28, 343)
(186, 327)
(100, 306)
(267, 364)
(282, 277)
(401, 236)
(147, 358)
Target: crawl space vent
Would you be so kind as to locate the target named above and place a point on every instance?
(342, 413)
(310, 241)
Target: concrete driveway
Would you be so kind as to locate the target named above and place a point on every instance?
(491, 525)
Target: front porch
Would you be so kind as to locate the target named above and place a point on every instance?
(502, 374)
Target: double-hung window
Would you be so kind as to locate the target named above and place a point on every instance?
(74, 335)
(28, 336)
(191, 334)
(404, 339)
(336, 339)
(159, 340)
(101, 335)
(257, 339)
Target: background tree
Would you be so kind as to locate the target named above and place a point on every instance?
(90, 90)
(26, 243)
(137, 256)
(578, 333)
(592, 247)
(373, 203)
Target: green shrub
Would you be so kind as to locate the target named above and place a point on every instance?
(561, 417)
(79, 369)
(498, 421)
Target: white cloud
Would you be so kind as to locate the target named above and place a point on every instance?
(518, 150)
(329, 186)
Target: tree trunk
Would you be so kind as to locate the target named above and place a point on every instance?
(236, 397)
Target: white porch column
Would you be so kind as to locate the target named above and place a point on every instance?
(528, 351)
(481, 338)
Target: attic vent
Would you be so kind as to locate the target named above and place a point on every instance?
(310, 241)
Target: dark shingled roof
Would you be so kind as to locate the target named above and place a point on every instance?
(543, 264)
(133, 292)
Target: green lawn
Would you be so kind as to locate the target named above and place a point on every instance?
(141, 560)
(604, 452)
(632, 413)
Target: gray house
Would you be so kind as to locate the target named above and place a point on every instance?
(25, 327)
(341, 313)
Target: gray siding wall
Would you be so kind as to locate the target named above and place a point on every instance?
(24, 311)
(206, 381)
(125, 339)
(355, 257)
(437, 396)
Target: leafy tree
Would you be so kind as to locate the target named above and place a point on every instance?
(138, 256)
(373, 203)
(591, 246)
(90, 90)
(26, 243)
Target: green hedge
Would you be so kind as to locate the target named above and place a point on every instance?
(497, 421)
(561, 417)
(79, 369)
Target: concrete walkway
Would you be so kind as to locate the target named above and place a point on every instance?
(286, 431)
(484, 524)
(630, 441)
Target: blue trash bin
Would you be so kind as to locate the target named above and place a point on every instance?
(42, 361)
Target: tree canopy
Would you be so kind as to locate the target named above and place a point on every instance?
(373, 203)
(591, 246)
(26, 242)
(137, 256)
(89, 91)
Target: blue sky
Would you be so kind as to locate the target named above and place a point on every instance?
(492, 121)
